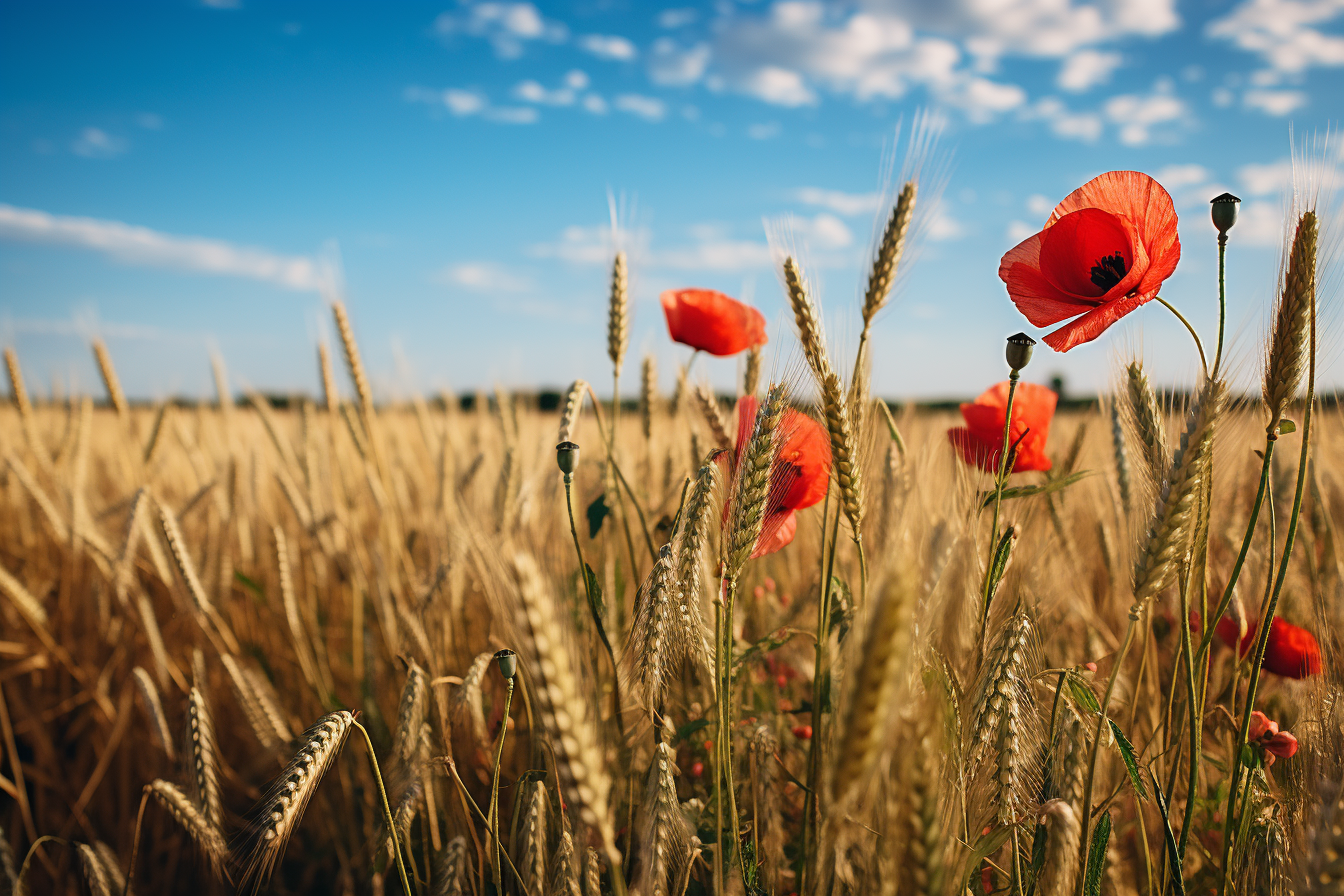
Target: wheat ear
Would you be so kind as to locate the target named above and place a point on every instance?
(410, 714)
(751, 375)
(1286, 360)
(1002, 703)
(331, 397)
(258, 716)
(17, 389)
(569, 417)
(1059, 871)
(29, 607)
(203, 754)
(564, 879)
(691, 551)
(709, 407)
(450, 881)
(281, 809)
(111, 867)
(95, 876)
(662, 828)
(205, 835)
(879, 675)
(564, 706)
(752, 486)
(149, 695)
(652, 648)
(468, 703)
(1169, 532)
(533, 851)
(618, 313)
(115, 396)
(889, 250)
(648, 394)
(302, 646)
(839, 424)
(767, 811)
(1147, 417)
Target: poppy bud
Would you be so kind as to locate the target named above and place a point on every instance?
(1018, 352)
(508, 663)
(1224, 212)
(567, 456)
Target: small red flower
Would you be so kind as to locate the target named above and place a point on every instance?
(803, 732)
(711, 321)
(697, 769)
(1106, 250)
(1291, 652)
(980, 441)
(799, 474)
(1264, 733)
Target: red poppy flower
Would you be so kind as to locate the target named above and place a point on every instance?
(980, 441)
(711, 321)
(1291, 652)
(1105, 251)
(799, 474)
(1264, 733)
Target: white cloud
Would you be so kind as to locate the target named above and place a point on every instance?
(646, 107)
(1221, 97)
(595, 104)
(779, 86)
(464, 102)
(1085, 126)
(1137, 115)
(1266, 180)
(676, 18)
(848, 204)
(506, 25)
(532, 92)
(141, 246)
(511, 114)
(1282, 32)
(577, 79)
(982, 99)
(1020, 230)
(1176, 177)
(669, 63)
(1260, 223)
(1086, 69)
(943, 228)
(1040, 206)
(1274, 102)
(764, 130)
(221, 4)
(825, 231)
(95, 143)
(482, 276)
(608, 46)
(149, 121)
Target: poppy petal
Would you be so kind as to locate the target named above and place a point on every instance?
(777, 531)
(711, 321)
(1095, 322)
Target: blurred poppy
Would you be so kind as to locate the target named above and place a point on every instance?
(1106, 250)
(711, 321)
(980, 441)
(799, 475)
(1291, 652)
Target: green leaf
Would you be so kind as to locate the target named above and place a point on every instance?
(596, 606)
(1127, 753)
(250, 585)
(1096, 857)
(1027, 491)
(986, 846)
(777, 638)
(1002, 552)
(1037, 858)
(1082, 693)
(1287, 426)
(597, 512)
(1175, 857)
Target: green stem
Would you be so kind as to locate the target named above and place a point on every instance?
(1222, 302)
(1196, 707)
(999, 479)
(718, 738)
(593, 607)
(494, 792)
(387, 810)
(1203, 361)
(725, 739)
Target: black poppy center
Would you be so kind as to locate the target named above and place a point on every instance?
(1108, 271)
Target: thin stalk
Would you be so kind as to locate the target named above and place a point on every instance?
(725, 740)
(494, 792)
(593, 609)
(387, 810)
(1222, 302)
(718, 736)
(823, 613)
(1196, 708)
(1203, 362)
(135, 842)
(1000, 477)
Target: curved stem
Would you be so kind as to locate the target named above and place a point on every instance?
(494, 791)
(1203, 361)
(387, 810)
(135, 842)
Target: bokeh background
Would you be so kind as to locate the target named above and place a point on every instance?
(181, 178)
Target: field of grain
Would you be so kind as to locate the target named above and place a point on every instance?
(344, 646)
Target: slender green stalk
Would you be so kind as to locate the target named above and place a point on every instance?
(1222, 301)
(1196, 707)
(387, 810)
(725, 738)
(718, 737)
(999, 479)
(494, 793)
(823, 638)
(135, 842)
(1203, 361)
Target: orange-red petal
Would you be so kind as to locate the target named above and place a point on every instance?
(711, 321)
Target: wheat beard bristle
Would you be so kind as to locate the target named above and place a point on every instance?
(564, 705)
(205, 835)
(752, 486)
(1167, 535)
(281, 809)
(663, 830)
(1286, 360)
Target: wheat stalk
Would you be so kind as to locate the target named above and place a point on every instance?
(29, 607)
(280, 810)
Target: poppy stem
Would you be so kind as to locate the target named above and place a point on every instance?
(1267, 612)
(1222, 301)
(1203, 361)
(999, 480)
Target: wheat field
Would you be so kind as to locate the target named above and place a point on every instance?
(338, 645)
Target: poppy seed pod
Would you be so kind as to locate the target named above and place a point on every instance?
(1224, 212)
(567, 457)
(508, 663)
(1018, 352)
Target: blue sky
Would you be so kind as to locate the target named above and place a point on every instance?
(181, 177)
